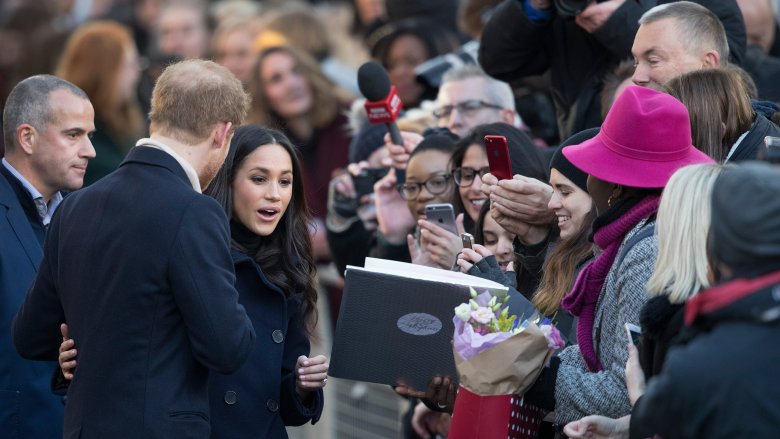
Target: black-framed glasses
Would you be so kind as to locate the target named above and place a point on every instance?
(435, 185)
(466, 108)
(464, 177)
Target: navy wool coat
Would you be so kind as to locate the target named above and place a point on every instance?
(28, 409)
(138, 265)
(259, 400)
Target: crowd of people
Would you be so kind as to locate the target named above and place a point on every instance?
(178, 176)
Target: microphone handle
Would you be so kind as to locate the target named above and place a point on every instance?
(395, 133)
(395, 136)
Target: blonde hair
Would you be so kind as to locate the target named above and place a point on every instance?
(191, 97)
(683, 223)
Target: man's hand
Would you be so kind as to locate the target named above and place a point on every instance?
(596, 14)
(67, 357)
(519, 206)
(524, 199)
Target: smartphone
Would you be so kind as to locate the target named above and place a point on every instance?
(467, 239)
(443, 216)
(771, 151)
(364, 182)
(498, 157)
(634, 334)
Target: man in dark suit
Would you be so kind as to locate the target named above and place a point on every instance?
(46, 125)
(138, 265)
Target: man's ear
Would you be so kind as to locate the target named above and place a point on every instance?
(26, 137)
(712, 59)
(222, 135)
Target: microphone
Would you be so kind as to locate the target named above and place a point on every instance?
(382, 102)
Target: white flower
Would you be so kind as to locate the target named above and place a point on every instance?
(483, 315)
(463, 311)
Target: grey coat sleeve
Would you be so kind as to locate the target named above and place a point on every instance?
(579, 392)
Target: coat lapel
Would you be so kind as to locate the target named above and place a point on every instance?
(18, 223)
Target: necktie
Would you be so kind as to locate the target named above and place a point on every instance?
(42, 209)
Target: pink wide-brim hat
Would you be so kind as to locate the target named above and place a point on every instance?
(644, 139)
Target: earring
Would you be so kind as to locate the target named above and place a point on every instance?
(611, 200)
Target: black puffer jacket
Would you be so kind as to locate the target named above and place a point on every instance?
(722, 383)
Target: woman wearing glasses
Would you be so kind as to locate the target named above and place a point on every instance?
(469, 163)
(409, 236)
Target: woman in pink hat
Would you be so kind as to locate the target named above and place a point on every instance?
(645, 138)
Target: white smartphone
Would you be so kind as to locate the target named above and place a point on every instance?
(634, 333)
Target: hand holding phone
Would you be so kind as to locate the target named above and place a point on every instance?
(467, 239)
(634, 334)
(498, 157)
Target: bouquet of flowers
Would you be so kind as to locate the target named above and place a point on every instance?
(497, 355)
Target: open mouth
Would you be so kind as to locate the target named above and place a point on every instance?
(268, 214)
(562, 219)
(478, 203)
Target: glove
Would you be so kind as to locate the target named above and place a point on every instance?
(487, 268)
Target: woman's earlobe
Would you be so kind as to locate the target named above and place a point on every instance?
(617, 192)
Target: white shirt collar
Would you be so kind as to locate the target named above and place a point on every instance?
(188, 169)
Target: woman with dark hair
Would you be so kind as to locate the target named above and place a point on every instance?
(469, 163)
(575, 211)
(289, 93)
(260, 188)
(496, 239)
(404, 232)
(574, 208)
(402, 46)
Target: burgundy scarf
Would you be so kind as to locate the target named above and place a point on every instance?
(581, 300)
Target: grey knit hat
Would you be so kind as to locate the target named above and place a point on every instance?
(745, 228)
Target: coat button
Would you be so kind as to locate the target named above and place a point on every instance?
(272, 405)
(278, 336)
(230, 397)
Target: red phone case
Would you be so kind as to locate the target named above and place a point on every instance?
(498, 157)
